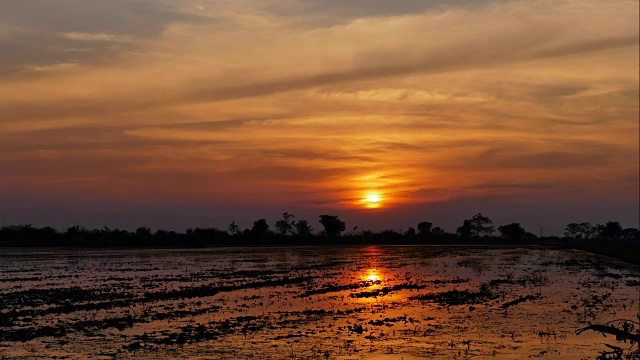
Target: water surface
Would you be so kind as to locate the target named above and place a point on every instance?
(377, 302)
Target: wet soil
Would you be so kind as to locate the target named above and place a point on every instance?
(404, 302)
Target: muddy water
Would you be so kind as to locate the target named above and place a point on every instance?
(301, 303)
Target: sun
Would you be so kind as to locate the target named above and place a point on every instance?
(372, 200)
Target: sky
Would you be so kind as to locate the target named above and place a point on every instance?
(185, 113)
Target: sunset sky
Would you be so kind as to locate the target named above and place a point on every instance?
(184, 113)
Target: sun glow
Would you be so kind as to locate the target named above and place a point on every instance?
(372, 200)
(372, 275)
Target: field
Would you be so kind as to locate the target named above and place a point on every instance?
(359, 302)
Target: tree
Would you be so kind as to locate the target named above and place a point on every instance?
(285, 225)
(260, 227)
(630, 234)
(333, 226)
(476, 226)
(234, 229)
(74, 230)
(610, 231)
(424, 227)
(588, 230)
(465, 230)
(512, 231)
(410, 232)
(573, 230)
(302, 227)
(578, 231)
(143, 231)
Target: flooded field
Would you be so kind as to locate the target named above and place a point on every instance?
(311, 303)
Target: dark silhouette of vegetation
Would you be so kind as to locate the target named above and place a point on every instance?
(580, 230)
(611, 230)
(630, 234)
(424, 227)
(302, 228)
(285, 226)
(333, 226)
(512, 231)
(477, 226)
(260, 227)
(626, 331)
(609, 239)
(234, 229)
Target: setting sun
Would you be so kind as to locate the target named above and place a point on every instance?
(372, 200)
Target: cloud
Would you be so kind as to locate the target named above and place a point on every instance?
(88, 36)
(547, 160)
(36, 33)
(499, 35)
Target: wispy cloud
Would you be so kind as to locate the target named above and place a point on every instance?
(89, 36)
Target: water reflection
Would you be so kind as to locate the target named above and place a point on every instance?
(372, 275)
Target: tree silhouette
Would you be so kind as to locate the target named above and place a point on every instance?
(465, 230)
(333, 226)
(302, 227)
(234, 229)
(476, 226)
(437, 231)
(143, 231)
(512, 231)
(630, 234)
(424, 227)
(588, 230)
(285, 225)
(610, 231)
(581, 230)
(260, 227)
(74, 230)
(573, 231)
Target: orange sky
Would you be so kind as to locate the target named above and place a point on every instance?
(177, 113)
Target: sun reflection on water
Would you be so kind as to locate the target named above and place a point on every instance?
(372, 275)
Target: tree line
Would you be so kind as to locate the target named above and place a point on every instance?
(291, 231)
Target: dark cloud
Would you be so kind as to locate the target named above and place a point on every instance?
(36, 29)
(221, 124)
(132, 17)
(588, 46)
(338, 10)
(556, 91)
